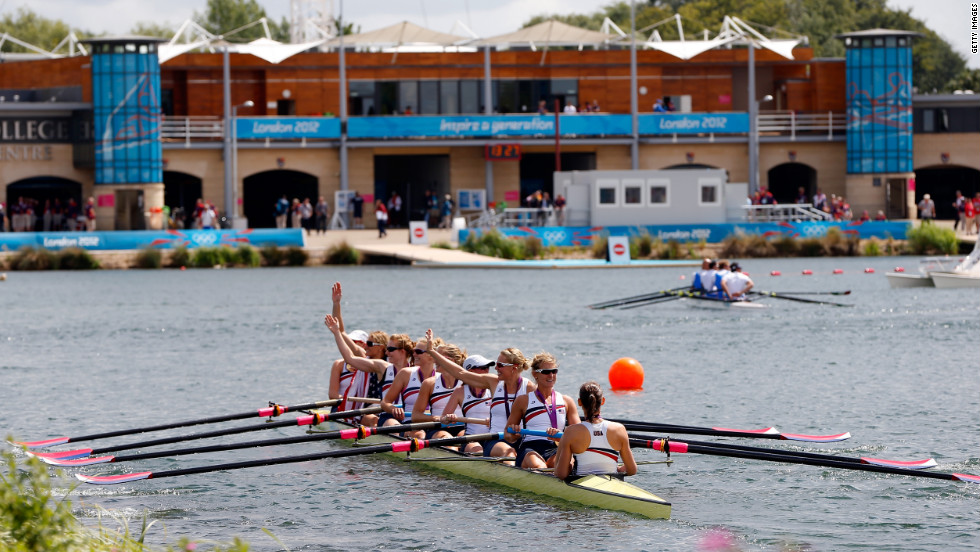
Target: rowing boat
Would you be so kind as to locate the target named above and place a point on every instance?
(598, 491)
(705, 302)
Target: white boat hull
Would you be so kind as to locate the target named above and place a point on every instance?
(903, 280)
(720, 304)
(948, 280)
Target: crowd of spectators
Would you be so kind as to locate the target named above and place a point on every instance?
(30, 215)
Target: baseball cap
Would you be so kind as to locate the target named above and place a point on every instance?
(477, 361)
(736, 266)
(358, 335)
(927, 196)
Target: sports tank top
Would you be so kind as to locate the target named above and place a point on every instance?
(440, 396)
(501, 403)
(411, 392)
(538, 414)
(476, 406)
(600, 456)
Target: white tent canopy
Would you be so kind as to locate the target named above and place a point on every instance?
(549, 33)
(405, 36)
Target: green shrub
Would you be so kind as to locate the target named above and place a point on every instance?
(148, 258)
(272, 255)
(30, 258)
(670, 250)
(492, 244)
(732, 246)
(206, 257)
(644, 245)
(442, 245)
(247, 256)
(812, 247)
(228, 256)
(600, 247)
(180, 257)
(296, 256)
(342, 254)
(757, 245)
(533, 248)
(31, 518)
(930, 239)
(872, 248)
(786, 246)
(837, 245)
(74, 258)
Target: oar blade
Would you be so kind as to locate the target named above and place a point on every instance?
(113, 479)
(966, 477)
(815, 438)
(75, 462)
(907, 464)
(43, 444)
(62, 454)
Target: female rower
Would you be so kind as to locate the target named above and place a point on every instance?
(435, 393)
(374, 364)
(597, 444)
(405, 387)
(471, 402)
(544, 410)
(506, 385)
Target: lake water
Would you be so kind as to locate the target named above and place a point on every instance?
(104, 350)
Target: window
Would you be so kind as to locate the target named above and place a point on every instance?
(606, 192)
(408, 96)
(470, 97)
(428, 98)
(658, 192)
(709, 193)
(449, 95)
(632, 192)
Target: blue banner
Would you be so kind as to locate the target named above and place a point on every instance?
(287, 128)
(486, 126)
(166, 239)
(694, 123)
(566, 236)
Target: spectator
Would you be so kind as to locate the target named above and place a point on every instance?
(976, 213)
(71, 215)
(47, 216)
(282, 208)
(322, 212)
(820, 200)
(447, 212)
(880, 216)
(408, 110)
(927, 209)
(560, 209)
(3, 219)
(357, 210)
(430, 205)
(306, 215)
(542, 107)
(670, 105)
(381, 214)
(570, 108)
(544, 208)
(208, 218)
(958, 204)
(801, 196)
(57, 216)
(90, 215)
(594, 108)
(296, 213)
(395, 209)
(658, 106)
(969, 216)
(865, 217)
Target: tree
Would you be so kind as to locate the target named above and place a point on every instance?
(223, 16)
(150, 28)
(36, 30)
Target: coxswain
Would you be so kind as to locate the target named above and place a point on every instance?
(544, 409)
(506, 385)
(736, 284)
(596, 444)
(437, 390)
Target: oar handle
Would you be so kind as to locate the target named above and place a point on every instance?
(536, 433)
(475, 421)
(365, 400)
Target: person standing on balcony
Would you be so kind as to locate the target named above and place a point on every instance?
(820, 200)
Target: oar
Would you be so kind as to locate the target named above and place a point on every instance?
(536, 433)
(908, 464)
(312, 419)
(410, 445)
(799, 299)
(271, 411)
(635, 298)
(845, 292)
(681, 447)
(360, 432)
(654, 301)
(766, 433)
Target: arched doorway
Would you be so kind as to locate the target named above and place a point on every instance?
(941, 182)
(262, 190)
(181, 192)
(785, 181)
(38, 191)
(410, 176)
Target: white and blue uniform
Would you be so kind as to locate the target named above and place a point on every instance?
(389, 378)
(501, 403)
(353, 383)
(600, 457)
(538, 415)
(411, 392)
(476, 406)
(719, 275)
(704, 280)
(737, 283)
(440, 396)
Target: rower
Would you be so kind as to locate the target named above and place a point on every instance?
(436, 391)
(596, 444)
(704, 279)
(723, 270)
(507, 384)
(543, 410)
(736, 284)
(374, 364)
(470, 401)
(407, 383)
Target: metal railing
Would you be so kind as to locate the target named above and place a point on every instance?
(791, 123)
(791, 212)
(187, 129)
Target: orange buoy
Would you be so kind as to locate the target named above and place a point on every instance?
(838, 271)
(775, 273)
(899, 269)
(683, 277)
(183, 268)
(626, 373)
(869, 271)
(807, 272)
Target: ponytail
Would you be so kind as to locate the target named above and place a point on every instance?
(590, 395)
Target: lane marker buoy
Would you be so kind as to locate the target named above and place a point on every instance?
(625, 374)
(838, 271)
(869, 271)
(775, 273)
(807, 272)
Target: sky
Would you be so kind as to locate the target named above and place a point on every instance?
(949, 18)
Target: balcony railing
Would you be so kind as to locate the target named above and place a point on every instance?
(793, 212)
(188, 129)
(791, 123)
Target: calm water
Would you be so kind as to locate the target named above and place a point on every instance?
(82, 353)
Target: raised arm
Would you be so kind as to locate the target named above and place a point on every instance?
(335, 295)
(480, 381)
(363, 364)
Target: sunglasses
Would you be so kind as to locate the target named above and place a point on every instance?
(479, 368)
(548, 371)
(510, 364)
(391, 349)
(420, 351)
(373, 344)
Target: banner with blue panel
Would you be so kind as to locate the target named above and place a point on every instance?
(487, 126)
(287, 128)
(167, 239)
(126, 111)
(694, 123)
(565, 236)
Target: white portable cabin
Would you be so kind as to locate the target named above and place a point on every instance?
(631, 198)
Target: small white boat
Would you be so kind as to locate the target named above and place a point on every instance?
(964, 275)
(724, 304)
(921, 278)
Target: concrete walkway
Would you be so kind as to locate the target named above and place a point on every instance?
(395, 245)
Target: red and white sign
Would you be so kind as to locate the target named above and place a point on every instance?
(619, 250)
(418, 233)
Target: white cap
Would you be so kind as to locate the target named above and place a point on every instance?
(358, 335)
(477, 361)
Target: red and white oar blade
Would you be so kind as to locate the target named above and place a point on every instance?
(113, 479)
(764, 431)
(907, 464)
(815, 438)
(966, 477)
(44, 443)
(62, 454)
(78, 461)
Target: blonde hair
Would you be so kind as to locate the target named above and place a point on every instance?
(403, 342)
(542, 358)
(516, 357)
(453, 353)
